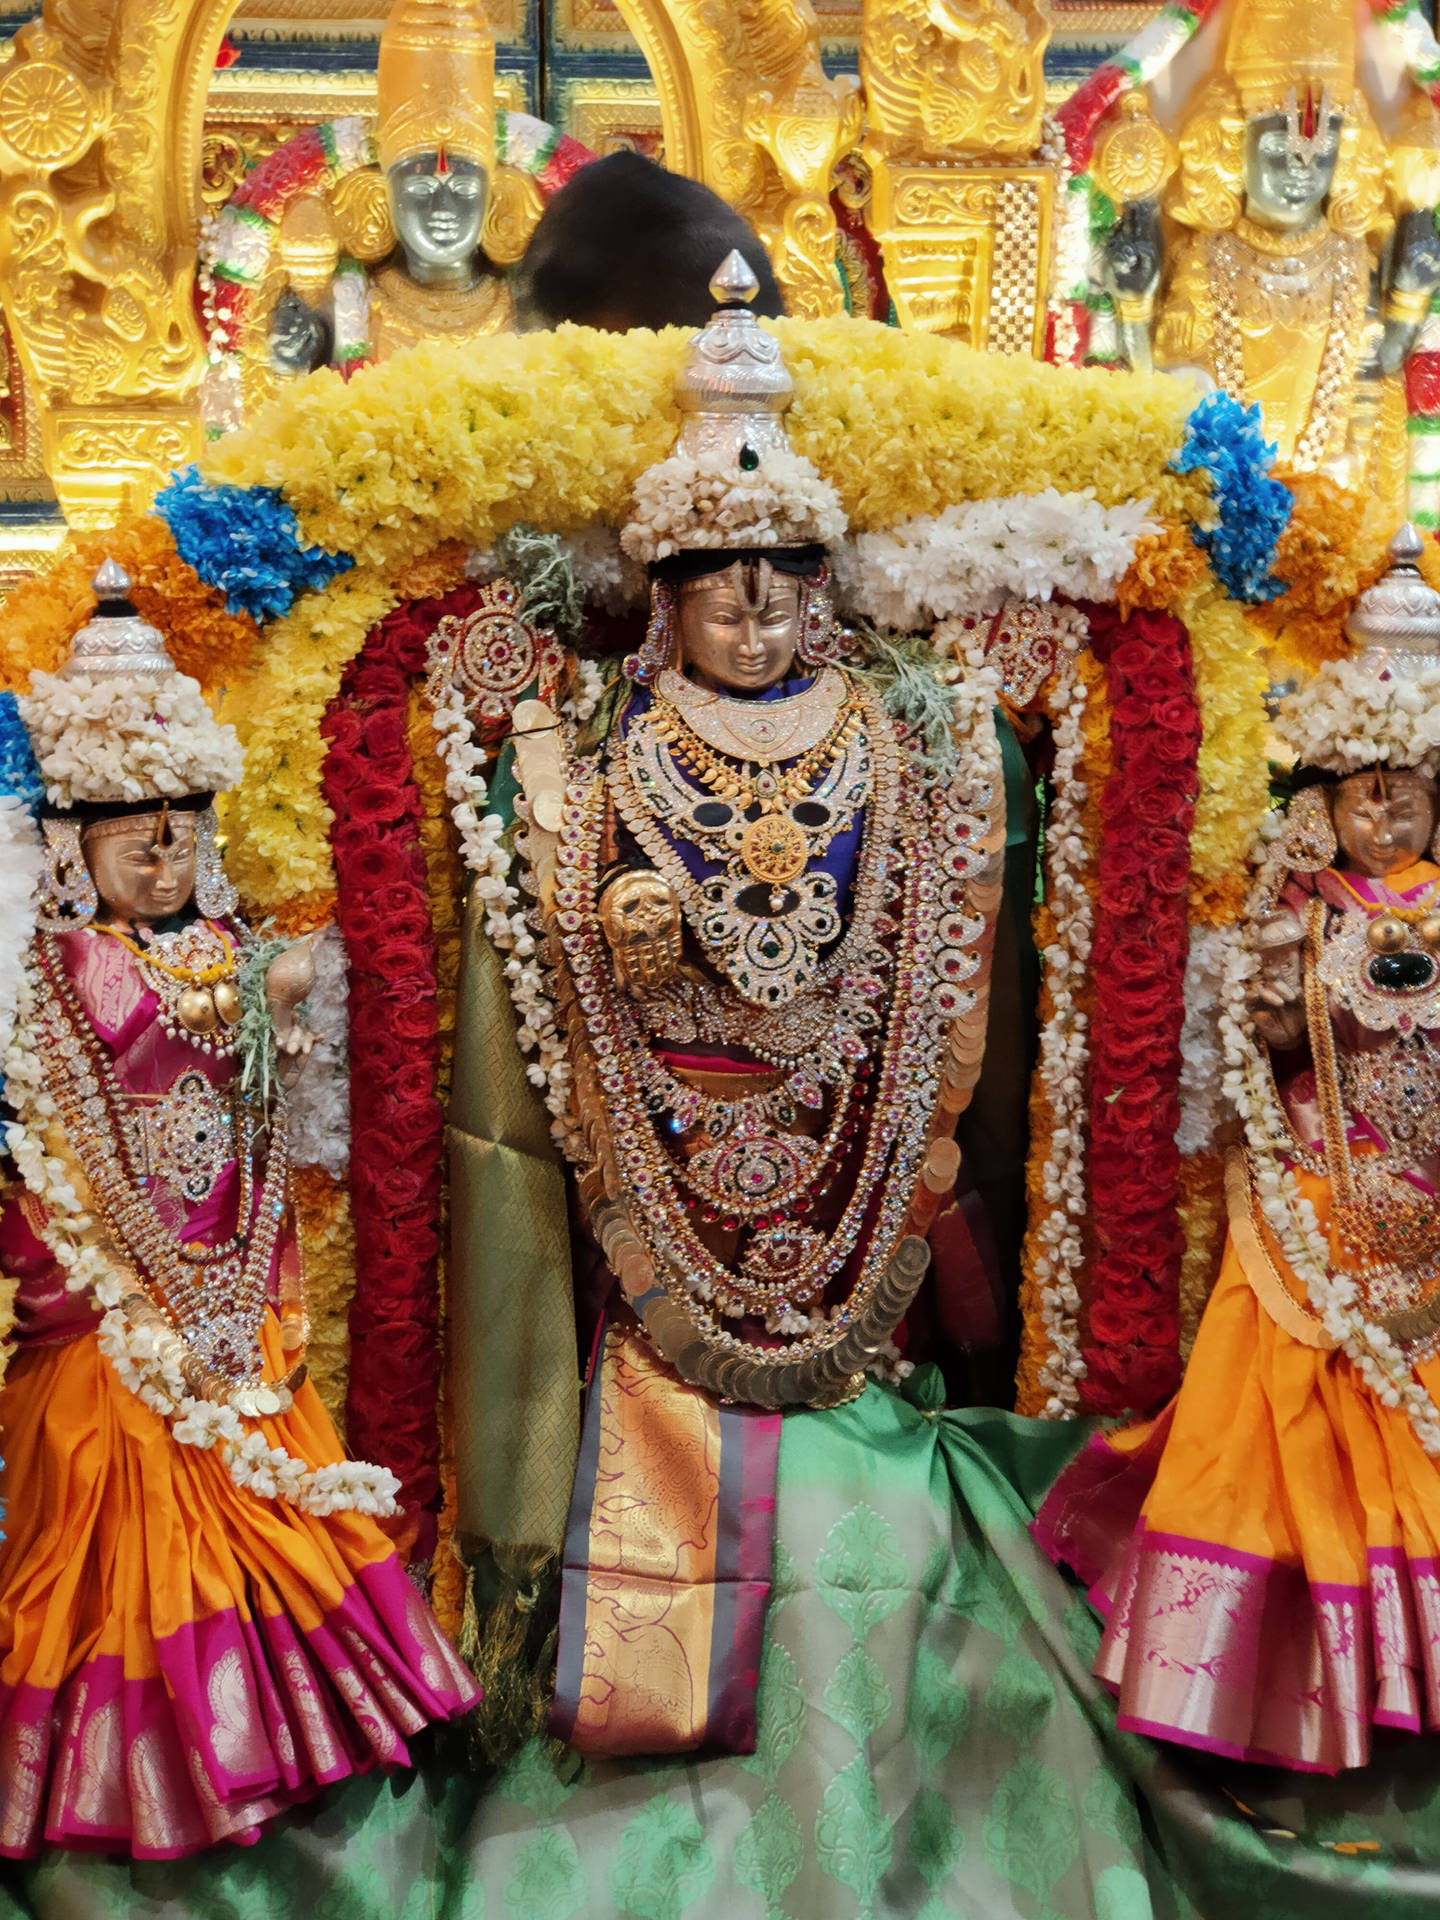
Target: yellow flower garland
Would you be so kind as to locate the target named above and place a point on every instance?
(447, 443)
(277, 820)
(327, 1250)
(1234, 774)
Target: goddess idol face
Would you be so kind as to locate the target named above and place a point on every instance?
(1287, 178)
(437, 201)
(143, 865)
(1383, 820)
(739, 628)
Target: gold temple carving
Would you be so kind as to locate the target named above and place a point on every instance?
(941, 149)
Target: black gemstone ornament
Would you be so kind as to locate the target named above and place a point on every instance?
(749, 458)
(1405, 971)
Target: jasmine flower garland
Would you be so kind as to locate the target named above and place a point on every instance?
(1228, 441)
(246, 541)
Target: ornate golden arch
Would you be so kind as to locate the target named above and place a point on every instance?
(746, 107)
(101, 107)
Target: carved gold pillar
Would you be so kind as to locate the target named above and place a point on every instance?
(100, 109)
(747, 109)
(961, 205)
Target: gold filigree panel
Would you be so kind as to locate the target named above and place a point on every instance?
(966, 250)
(606, 115)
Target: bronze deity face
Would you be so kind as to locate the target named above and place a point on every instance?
(437, 201)
(143, 865)
(1287, 182)
(1383, 820)
(738, 628)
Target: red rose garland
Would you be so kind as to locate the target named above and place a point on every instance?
(1132, 1329)
(397, 1119)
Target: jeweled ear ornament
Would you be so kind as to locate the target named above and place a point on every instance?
(652, 656)
(67, 898)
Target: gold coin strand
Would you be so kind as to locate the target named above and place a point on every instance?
(180, 1280)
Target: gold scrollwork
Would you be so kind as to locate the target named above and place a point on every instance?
(361, 206)
(512, 213)
(111, 464)
(924, 200)
(949, 78)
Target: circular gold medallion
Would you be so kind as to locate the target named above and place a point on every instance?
(227, 1001)
(774, 848)
(195, 1008)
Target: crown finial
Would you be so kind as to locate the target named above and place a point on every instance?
(1400, 613)
(734, 283)
(1407, 546)
(115, 639)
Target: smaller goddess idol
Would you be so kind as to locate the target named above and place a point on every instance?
(201, 1622)
(1267, 1551)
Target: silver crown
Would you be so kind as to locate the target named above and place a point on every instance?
(1400, 614)
(733, 389)
(116, 642)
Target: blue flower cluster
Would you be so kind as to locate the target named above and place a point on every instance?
(19, 774)
(1228, 440)
(246, 541)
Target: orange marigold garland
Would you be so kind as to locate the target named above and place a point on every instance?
(1335, 546)
(43, 613)
(1167, 566)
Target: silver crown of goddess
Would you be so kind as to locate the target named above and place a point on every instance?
(1400, 614)
(116, 642)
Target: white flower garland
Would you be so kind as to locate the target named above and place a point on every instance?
(1202, 1091)
(22, 862)
(1348, 718)
(1332, 1293)
(1070, 272)
(975, 555)
(318, 1106)
(1065, 1047)
(146, 1356)
(700, 501)
(483, 849)
(127, 736)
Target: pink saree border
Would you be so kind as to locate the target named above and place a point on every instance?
(244, 1718)
(1231, 1652)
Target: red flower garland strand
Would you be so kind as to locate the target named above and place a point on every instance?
(1131, 1333)
(397, 1118)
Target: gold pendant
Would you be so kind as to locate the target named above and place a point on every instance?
(195, 1010)
(774, 848)
(227, 1002)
